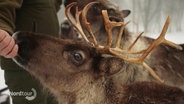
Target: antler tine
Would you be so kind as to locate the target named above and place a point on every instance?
(152, 72)
(117, 48)
(161, 39)
(87, 24)
(128, 51)
(120, 34)
(131, 46)
(109, 25)
(76, 22)
(163, 33)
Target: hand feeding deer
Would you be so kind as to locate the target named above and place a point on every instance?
(83, 75)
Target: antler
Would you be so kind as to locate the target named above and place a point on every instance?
(117, 51)
(76, 22)
(161, 39)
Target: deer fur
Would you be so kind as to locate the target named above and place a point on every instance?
(77, 73)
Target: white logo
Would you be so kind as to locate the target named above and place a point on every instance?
(28, 95)
(33, 96)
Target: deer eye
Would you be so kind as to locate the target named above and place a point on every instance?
(77, 57)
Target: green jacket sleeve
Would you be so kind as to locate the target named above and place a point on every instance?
(8, 14)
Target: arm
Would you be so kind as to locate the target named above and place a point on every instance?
(8, 47)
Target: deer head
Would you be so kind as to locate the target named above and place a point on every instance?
(94, 13)
(66, 67)
(95, 18)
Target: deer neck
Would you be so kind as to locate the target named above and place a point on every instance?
(101, 91)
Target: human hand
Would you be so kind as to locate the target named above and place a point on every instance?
(8, 47)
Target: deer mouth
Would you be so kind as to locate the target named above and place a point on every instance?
(26, 44)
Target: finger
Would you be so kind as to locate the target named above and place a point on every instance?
(13, 53)
(3, 34)
(9, 48)
(5, 42)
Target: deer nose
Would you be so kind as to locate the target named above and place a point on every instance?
(26, 43)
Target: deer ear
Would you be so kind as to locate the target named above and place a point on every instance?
(125, 13)
(110, 66)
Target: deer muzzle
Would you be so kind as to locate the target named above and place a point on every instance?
(26, 43)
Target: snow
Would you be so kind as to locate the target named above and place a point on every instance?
(2, 83)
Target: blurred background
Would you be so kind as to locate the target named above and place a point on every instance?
(148, 16)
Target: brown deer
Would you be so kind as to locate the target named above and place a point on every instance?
(169, 61)
(77, 73)
(85, 72)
